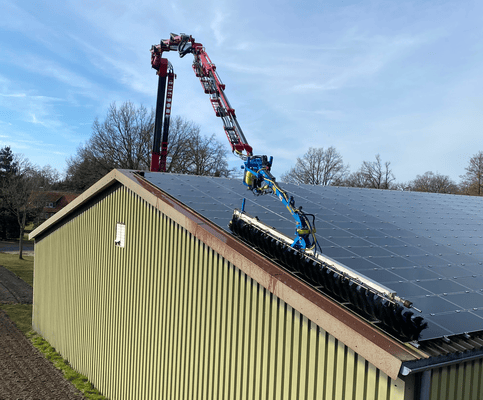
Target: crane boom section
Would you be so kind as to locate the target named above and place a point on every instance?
(205, 70)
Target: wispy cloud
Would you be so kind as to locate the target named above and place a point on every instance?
(121, 69)
(31, 108)
(249, 68)
(13, 95)
(368, 57)
(217, 25)
(34, 120)
(38, 65)
(18, 19)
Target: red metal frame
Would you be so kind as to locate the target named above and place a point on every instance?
(205, 70)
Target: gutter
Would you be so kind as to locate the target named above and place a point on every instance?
(422, 365)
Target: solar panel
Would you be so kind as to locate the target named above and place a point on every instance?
(427, 247)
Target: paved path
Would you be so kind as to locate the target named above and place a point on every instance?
(12, 246)
(13, 289)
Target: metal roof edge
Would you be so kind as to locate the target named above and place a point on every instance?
(98, 187)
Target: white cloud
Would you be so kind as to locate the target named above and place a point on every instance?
(249, 68)
(218, 26)
(367, 57)
(31, 108)
(17, 19)
(13, 95)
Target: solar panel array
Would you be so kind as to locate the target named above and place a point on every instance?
(427, 247)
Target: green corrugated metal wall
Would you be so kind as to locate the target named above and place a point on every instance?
(458, 382)
(168, 318)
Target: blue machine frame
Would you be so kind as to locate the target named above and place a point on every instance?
(259, 180)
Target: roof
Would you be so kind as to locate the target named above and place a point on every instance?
(426, 247)
(54, 196)
(60, 199)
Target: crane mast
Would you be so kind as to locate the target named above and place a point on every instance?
(163, 103)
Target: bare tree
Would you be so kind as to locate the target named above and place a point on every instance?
(82, 172)
(191, 153)
(124, 140)
(472, 181)
(372, 174)
(355, 179)
(181, 131)
(207, 157)
(22, 192)
(429, 182)
(377, 174)
(402, 186)
(434, 183)
(317, 167)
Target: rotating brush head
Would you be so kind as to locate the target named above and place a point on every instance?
(371, 301)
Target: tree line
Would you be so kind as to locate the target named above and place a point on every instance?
(123, 140)
(23, 187)
(319, 166)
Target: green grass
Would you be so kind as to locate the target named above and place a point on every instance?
(21, 315)
(24, 269)
(78, 380)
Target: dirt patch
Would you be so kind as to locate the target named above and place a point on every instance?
(13, 289)
(25, 373)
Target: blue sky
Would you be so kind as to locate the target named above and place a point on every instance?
(402, 79)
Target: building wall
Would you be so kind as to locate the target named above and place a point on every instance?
(167, 317)
(458, 382)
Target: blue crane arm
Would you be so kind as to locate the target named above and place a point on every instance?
(259, 180)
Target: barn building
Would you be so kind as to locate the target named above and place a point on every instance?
(141, 286)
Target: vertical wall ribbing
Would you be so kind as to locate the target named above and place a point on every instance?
(166, 317)
(459, 381)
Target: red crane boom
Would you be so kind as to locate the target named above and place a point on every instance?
(205, 70)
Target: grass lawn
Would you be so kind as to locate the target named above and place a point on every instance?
(21, 315)
(24, 269)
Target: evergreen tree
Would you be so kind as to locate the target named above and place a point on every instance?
(8, 222)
